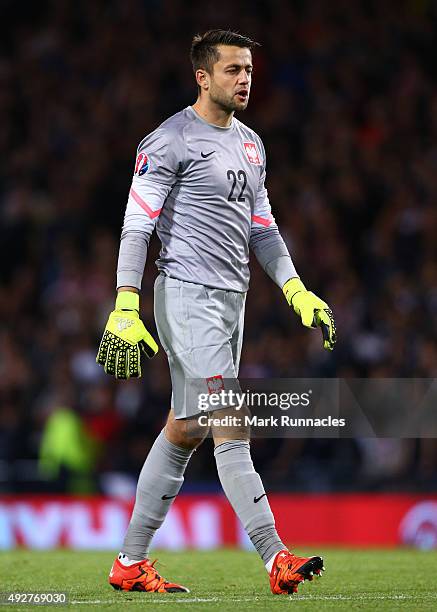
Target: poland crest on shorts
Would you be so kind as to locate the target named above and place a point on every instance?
(252, 153)
(215, 384)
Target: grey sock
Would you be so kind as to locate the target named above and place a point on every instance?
(245, 491)
(159, 483)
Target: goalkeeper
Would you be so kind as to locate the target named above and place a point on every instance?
(199, 178)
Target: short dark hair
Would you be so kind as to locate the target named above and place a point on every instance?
(204, 53)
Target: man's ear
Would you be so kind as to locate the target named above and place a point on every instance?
(202, 79)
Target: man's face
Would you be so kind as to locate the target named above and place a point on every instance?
(231, 78)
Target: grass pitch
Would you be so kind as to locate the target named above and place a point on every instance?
(230, 580)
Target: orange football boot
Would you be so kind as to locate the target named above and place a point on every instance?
(141, 576)
(288, 571)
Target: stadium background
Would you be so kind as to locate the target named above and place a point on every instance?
(345, 99)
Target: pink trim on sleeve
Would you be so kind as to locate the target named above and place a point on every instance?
(262, 221)
(152, 213)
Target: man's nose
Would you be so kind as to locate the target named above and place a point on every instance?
(243, 77)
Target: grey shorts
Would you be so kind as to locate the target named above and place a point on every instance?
(201, 330)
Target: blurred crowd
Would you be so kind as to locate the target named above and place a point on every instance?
(345, 99)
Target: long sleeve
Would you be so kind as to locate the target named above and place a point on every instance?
(266, 241)
(156, 167)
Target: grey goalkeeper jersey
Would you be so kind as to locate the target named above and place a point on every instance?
(203, 187)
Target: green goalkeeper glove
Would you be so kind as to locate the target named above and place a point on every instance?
(124, 337)
(313, 311)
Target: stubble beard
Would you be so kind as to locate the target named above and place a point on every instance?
(227, 103)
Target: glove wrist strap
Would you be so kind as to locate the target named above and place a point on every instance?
(127, 300)
(291, 287)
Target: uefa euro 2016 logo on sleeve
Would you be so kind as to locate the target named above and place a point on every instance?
(142, 164)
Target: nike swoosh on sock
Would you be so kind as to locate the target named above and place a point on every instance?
(256, 499)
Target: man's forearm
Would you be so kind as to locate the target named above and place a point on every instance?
(281, 270)
(273, 256)
(131, 260)
(133, 289)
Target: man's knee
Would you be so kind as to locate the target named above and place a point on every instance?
(186, 433)
(233, 425)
